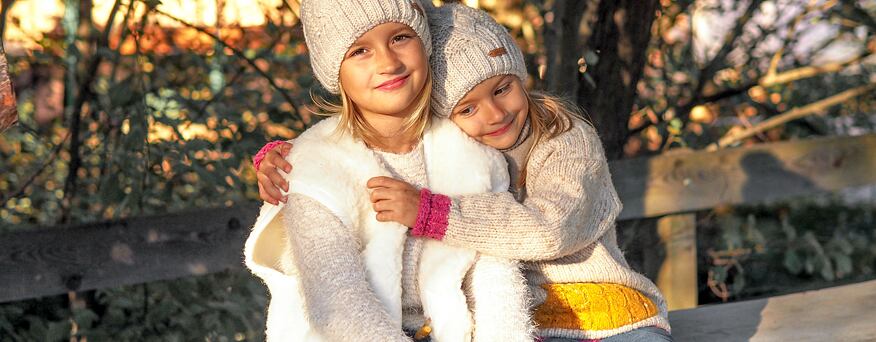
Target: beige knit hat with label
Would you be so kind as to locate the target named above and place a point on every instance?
(332, 26)
(469, 47)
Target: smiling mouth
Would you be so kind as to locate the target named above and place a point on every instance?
(501, 131)
(394, 83)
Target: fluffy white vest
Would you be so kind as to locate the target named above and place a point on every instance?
(333, 170)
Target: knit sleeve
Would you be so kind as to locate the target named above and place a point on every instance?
(337, 295)
(570, 203)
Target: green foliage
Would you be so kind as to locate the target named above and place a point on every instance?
(227, 306)
(785, 248)
(161, 131)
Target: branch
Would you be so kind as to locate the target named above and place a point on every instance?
(789, 36)
(39, 171)
(82, 96)
(783, 78)
(242, 56)
(729, 41)
(794, 114)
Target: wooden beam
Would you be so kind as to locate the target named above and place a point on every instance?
(109, 254)
(8, 111)
(843, 313)
(684, 182)
(677, 278)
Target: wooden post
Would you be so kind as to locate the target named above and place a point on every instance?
(8, 112)
(677, 278)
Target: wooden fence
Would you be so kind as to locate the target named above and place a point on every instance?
(670, 187)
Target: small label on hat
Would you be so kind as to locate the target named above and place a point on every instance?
(497, 52)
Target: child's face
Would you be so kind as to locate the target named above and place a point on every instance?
(385, 70)
(493, 112)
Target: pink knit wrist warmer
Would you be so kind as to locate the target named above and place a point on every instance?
(257, 159)
(432, 216)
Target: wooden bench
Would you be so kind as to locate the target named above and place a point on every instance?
(669, 187)
(844, 313)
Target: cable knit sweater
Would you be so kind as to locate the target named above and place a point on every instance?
(502, 288)
(496, 286)
(562, 225)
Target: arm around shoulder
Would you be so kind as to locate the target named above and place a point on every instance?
(571, 202)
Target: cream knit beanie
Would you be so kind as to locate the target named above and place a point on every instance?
(469, 47)
(331, 27)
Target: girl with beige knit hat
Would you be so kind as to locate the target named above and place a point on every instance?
(337, 273)
(558, 217)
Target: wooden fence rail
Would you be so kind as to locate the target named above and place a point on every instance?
(144, 249)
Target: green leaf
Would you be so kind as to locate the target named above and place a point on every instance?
(792, 262)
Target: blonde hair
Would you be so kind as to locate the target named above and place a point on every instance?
(351, 121)
(549, 116)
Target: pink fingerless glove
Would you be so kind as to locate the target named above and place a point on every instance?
(257, 159)
(432, 216)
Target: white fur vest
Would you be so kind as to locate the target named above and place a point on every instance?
(333, 169)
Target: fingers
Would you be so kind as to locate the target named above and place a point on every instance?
(285, 148)
(275, 159)
(384, 182)
(267, 190)
(277, 180)
(386, 194)
(385, 216)
(264, 196)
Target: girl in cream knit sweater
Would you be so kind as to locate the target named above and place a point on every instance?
(558, 217)
(336, 273)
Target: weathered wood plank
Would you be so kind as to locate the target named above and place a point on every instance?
(53, 261)
(684, 182)
(678, 273)
(46, 262)
(843, 313)
(8, 111)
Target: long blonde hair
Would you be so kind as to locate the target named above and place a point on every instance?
(351, 121)
(549, 116)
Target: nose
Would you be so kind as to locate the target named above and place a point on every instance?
(495, 113)
(388, 62)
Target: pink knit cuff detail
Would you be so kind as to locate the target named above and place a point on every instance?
(257, 159)
(432, 215)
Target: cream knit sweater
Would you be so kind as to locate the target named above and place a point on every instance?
(316, 233)
(562, 226)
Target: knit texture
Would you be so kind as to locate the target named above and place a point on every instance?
(492, 285)
(469, 47)
(432, 215)
(564, 227)
(314, 234)
(592, 306)
(411, 168)
(257, 159)
(332, 26)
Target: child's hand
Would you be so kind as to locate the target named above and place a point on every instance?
(394, 200)
(268, 175)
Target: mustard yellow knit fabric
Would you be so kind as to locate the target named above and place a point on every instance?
(592, 306)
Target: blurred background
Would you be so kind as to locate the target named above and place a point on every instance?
(130, 108)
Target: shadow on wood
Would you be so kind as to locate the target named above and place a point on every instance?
(843, 313)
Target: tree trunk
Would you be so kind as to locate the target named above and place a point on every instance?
(562, 43)
(620, 39)
(8, 112)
